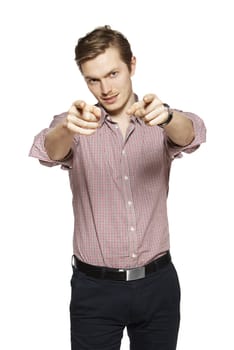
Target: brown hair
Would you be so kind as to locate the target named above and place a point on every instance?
(97, 41)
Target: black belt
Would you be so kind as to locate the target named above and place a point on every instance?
(121, 274)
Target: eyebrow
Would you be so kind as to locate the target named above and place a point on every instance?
(105, 76)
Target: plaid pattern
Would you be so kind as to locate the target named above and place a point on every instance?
(120, 190)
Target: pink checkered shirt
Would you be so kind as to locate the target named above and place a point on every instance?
(120, 190)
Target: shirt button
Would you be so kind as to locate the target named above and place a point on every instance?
(125, 177)
(132, 228)
(123, 152)
(116, 126)
(129, 203)
(134, 255)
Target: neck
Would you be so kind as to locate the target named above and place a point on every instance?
(121, 114)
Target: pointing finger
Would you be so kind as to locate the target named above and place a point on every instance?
(80, 105)
(149, 98)
(95, 110)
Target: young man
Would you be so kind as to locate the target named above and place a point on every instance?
(118, 154)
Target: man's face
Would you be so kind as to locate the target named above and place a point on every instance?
(109, 80)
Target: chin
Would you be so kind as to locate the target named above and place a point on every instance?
(112, 107)
(114, 110)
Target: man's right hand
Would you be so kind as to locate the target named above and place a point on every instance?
(83, 118)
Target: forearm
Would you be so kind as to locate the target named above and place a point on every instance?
(180, 129)
(58, 142)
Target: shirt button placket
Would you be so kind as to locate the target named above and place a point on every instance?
(130, 210)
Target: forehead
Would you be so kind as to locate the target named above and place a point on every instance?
(103, 63)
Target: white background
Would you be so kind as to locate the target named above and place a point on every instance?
(185, 55)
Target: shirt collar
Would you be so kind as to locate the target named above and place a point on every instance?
(104, 114)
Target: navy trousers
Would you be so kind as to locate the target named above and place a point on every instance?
(149, 308)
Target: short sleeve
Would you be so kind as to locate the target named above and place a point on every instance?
(38, 148)
(175, 151)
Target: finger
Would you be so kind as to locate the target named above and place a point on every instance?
(73, 111)
(158, 120)
(149, 98)
(79, 104)
(89, 116)
(96, 111)
(83, 114)
(136, 106)
(152, 102)
(81, 122)
(141, 108)
(147, 107)
(140, 112)
(86, 116)
(154, 112)
(78, 130)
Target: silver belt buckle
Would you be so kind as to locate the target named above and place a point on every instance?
(135, 273)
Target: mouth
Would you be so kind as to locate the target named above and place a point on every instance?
(110, 99)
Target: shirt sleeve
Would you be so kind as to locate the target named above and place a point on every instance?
(38, 148)
(175, 151)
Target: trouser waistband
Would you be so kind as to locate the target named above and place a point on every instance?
(122, 274)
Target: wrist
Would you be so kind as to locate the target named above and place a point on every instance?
(169, 116)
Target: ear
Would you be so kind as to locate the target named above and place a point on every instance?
(133, 65)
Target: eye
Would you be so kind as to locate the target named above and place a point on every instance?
(92, 81)
(113, 74)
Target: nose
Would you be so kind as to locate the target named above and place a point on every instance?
(105, 87)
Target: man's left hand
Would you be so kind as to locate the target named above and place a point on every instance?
(150, 109)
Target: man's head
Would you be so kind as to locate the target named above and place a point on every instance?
(97, 41)
(106, 62)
